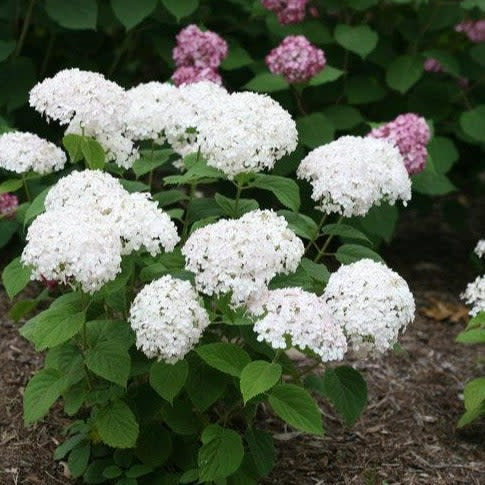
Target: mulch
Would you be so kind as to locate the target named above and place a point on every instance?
(407, 434)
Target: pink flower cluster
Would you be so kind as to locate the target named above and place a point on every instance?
(197, 56)
(297, 59)
(287, 11)
(473, 29)
(8, 205)
(410, 133)
(432, 65)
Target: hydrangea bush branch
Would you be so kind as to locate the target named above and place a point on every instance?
(170, 314)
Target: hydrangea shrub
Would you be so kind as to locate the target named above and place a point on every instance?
(172, 283)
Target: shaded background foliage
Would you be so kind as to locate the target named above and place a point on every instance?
(375, 52)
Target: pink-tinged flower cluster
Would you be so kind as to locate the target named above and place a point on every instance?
(473, 29)
(296, 59)
(287, 11)
(8, 205)
(410, 133)
(197, 56)
(189, 74)
(432, 65)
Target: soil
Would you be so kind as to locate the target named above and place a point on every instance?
(407, 434)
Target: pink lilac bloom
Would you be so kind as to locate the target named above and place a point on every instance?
(410, 133)
(199, 49)
(287, 11)
(8, 205)
(296, 59)
(432, 65)
(473, 29)
(189, 75)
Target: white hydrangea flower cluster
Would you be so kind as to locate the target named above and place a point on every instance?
(72, 245)
(353, 173)
(474, 295)
(139, 221)
(23, 152)
(168, 319)
(241, 256)
(480, 248)
(249, 134)
(90, 105)
(150, 108)
(236, 133)
(372, 303)
(302, 317)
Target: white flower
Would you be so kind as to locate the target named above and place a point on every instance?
(73, 246)
(151, 105)
(249, 134)
(23, 152)
(480, 248)
(352, 174)
(372, 303)
(241, 256)
(474, 295)
(90, 105)
(302, 317)
(168, 319)
(140, 223)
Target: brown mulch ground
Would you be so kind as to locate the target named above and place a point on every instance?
(407, 435)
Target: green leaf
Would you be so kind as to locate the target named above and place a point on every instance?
(116, 332)
(79, 459)
(138, 470)
(317, 271)
(117, 425)
(64, 448)
(109, 361)
(315, 130)
(257, 377)
(300, 224)
(36, 207)
(57, 325)
(381, 221)
(169, 379)
(15, 277)
(181, 418)
(296, 407)
(147, 163)
(197, 172)
(134, 185)
(347, 390)
(130, 15)
(443, 153)
(22, 308)
(72, 143)
(404, 72)
(10, 185)
(169, 197)
(343, 117)
(472, 122)
(41, 393)
(431, 182)
(181, 8)
(472, 336)
(7, 230)
(360, 39)
(261, 447)
(471, 415)
(286, 190)
(112, 471)
(228, 358)
(477, 53)
(74, 14)
(327, 75)
(6, 48)
(220, 455)
(267, 83)
(228, 206)
(349, 253)
(204, 384)
(344, 230)
(93, 152)
(236, 58)
(364, 89)
(474, 393)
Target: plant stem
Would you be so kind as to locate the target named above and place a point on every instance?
(299, 100)
(185, 228)
(25, 28)
(315, 237)
(26, 188)
(238, 196)
(322, 253)
(308, 369)
(150, 177)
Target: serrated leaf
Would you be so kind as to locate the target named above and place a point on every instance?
(261, 447)
(296, 407)
(130, 15)
(228, 358)
(350, 253)
(15, 277)
(93, 152)
(10, 185)
(150, 162)
(79, 459)
(74, 14)
(360, 39)
(181, 8)
(267, 82)
(404, 72)
(327, 75)
(117, 425)
(36, 207)
(286, 190)
(315, 130)
(344, 230)
(257, 377)
(300, 224)
(169, 379)
(109, 361)
(472, 122)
